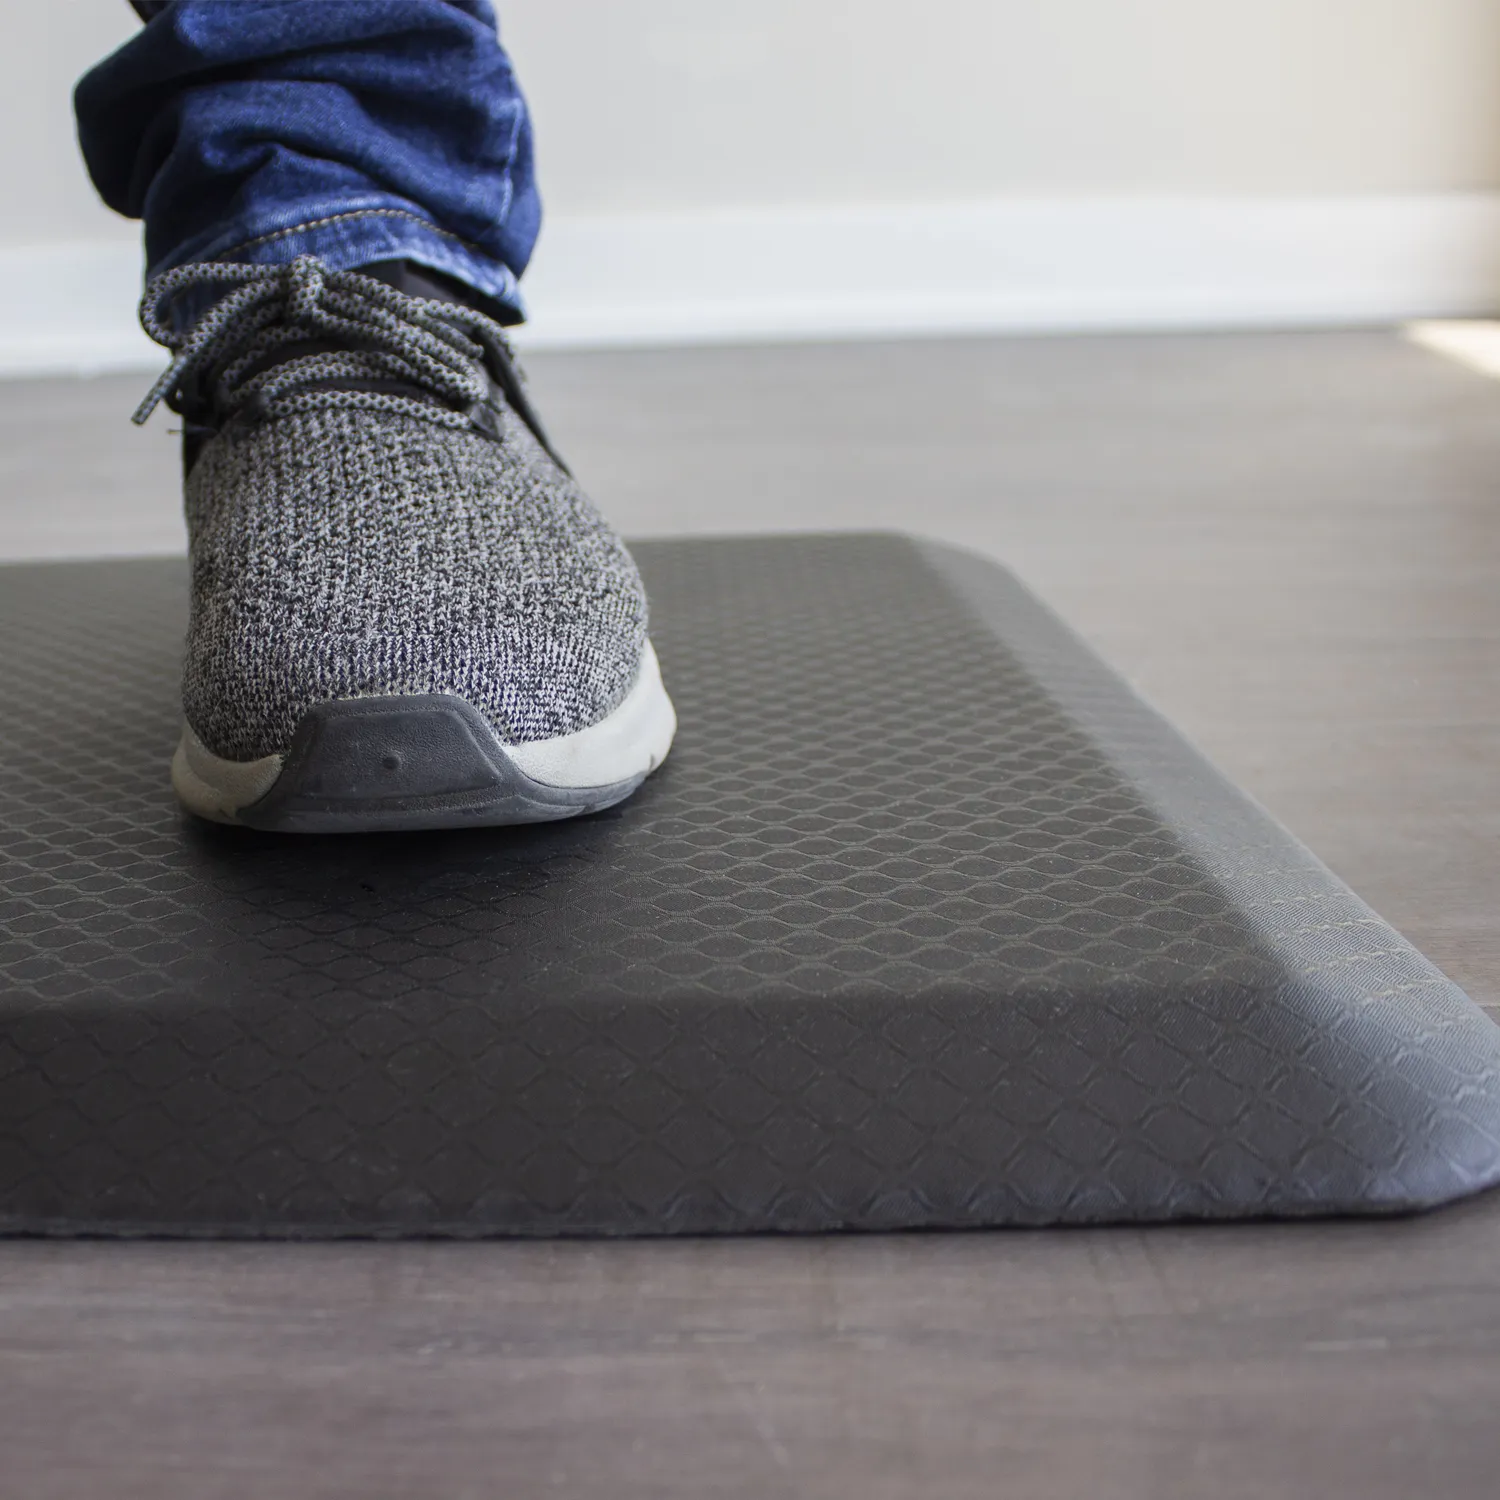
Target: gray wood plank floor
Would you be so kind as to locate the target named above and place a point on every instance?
(1292, 545)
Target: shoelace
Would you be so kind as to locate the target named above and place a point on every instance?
(395, 352)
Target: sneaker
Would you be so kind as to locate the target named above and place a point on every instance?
(405, 613)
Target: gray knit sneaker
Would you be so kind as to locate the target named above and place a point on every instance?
(405, 613)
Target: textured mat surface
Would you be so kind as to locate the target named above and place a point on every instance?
(926, 922)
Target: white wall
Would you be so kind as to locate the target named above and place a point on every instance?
(45, 196)
(724, 168)
(675, 104)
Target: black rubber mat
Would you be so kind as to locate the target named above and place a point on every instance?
(926, 922)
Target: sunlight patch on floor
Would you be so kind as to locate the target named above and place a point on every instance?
(1474, 342)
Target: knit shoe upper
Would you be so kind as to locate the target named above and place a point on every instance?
(362, 525)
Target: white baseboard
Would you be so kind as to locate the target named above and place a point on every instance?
(70, 309)
(1007, 266)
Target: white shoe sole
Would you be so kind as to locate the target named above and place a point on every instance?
(429, 761)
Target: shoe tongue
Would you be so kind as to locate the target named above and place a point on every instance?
(421, 281)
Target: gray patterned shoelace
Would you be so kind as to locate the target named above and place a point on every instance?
(363, 344)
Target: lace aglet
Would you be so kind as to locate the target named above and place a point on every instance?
(153, 398)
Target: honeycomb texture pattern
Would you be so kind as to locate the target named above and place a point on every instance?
(926, 922)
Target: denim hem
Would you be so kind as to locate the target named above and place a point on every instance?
(347, 234)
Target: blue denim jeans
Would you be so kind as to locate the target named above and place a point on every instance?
(354, 130)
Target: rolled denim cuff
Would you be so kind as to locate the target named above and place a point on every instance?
(348, 233)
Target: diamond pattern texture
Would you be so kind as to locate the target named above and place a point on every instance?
(927, 922)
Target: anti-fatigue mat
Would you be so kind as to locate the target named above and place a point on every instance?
(927, 921)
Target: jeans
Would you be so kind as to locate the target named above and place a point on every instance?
(353, 130)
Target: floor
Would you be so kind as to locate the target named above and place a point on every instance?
(1291, 543)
